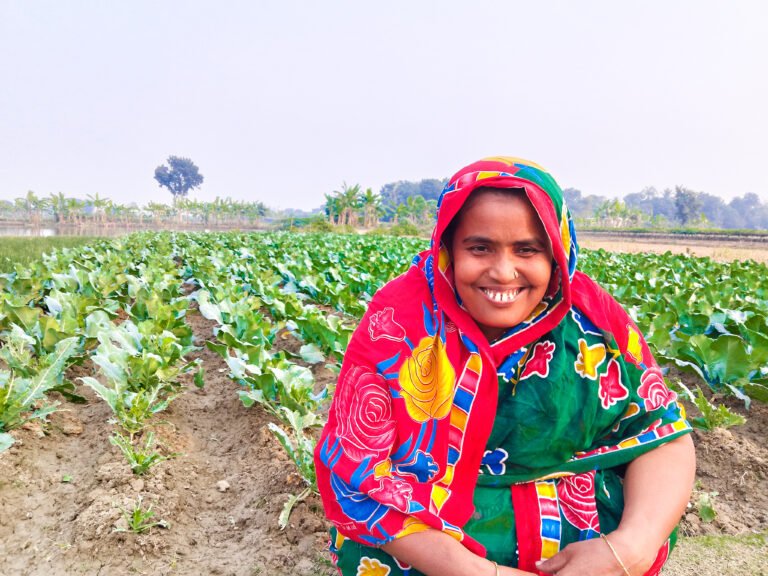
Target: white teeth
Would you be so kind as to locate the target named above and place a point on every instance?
(502, 297)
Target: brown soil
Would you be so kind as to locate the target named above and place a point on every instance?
(62, 489)
(719, 251)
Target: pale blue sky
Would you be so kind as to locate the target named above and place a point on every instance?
(282, 101)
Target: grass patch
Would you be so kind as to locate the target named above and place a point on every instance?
(24, 249)
(719, 555)
(724, 542)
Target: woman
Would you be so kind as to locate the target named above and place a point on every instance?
(497, 412)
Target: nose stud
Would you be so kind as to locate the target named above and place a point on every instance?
(515, 275)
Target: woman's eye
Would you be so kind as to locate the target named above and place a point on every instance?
(478, 249)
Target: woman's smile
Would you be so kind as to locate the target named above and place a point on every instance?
(501, 296)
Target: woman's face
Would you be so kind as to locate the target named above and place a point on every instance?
(502, 260)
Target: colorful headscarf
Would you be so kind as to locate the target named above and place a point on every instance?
(417, 395)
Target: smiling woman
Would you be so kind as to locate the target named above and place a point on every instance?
(522, 425)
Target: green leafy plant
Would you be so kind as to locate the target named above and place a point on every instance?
(705, 506)
(711, 416)
(142, 372)
(300, 448)
(140, 458)
(132, 410)
(22, 397)
(140, 520)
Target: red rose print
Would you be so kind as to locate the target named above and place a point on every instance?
(538, 363)
(611, 389)
(368, 427)
(653, 391)
(577, 500)
(382, 325)
(394, 493)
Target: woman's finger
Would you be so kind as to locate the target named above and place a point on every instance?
(552, 565)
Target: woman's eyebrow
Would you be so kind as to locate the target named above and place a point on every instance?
(485, 240)
(479, 239)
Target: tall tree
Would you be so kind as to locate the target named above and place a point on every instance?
(687, 205)
(371, 202)
(180, 176)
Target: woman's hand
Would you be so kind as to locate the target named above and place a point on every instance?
(507, 571)
(595, 558)
(435, 553)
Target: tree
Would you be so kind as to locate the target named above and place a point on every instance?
(687, 205)
(371, 204)
(180, 178)
(616, 214)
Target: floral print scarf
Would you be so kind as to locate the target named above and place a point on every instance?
(418, 394)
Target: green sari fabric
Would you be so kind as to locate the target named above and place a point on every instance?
(530, 401)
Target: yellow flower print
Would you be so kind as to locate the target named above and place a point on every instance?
(372, 567)
(565, 232)
(589, 359)
(634, 346)
(412, 526)
(540, 307)
(426, 381)
(443, 259)
(383, 468)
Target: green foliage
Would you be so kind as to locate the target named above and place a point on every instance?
(705, 506)
(687, 205)
(142, 365)
(711, 417)
(300, 448)
(140, 458)
(318, 224)
(25, 250)
(399, 229)
(24, 386)
(140, 520)
(179, 177)
(693, 315)
(299, 445)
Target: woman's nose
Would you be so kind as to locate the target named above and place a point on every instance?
(504, 270)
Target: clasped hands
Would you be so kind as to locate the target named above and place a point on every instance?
(592, 558)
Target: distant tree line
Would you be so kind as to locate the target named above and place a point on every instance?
(397, 202)
(95, 210)
(680, 206)
(416, 203)
(400, 193)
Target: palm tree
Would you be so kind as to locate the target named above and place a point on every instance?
(371, 204)
(100, 206)
(74, 210)
(416, 207)
(349, 200)
(332, 208)
(33, 207)
(58, 203)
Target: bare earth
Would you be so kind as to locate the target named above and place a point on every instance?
(722, 253)
(63, 486)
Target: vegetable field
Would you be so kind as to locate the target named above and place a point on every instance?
(160, 393)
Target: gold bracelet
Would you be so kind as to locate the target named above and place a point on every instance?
(615, 554)
(496, 565)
